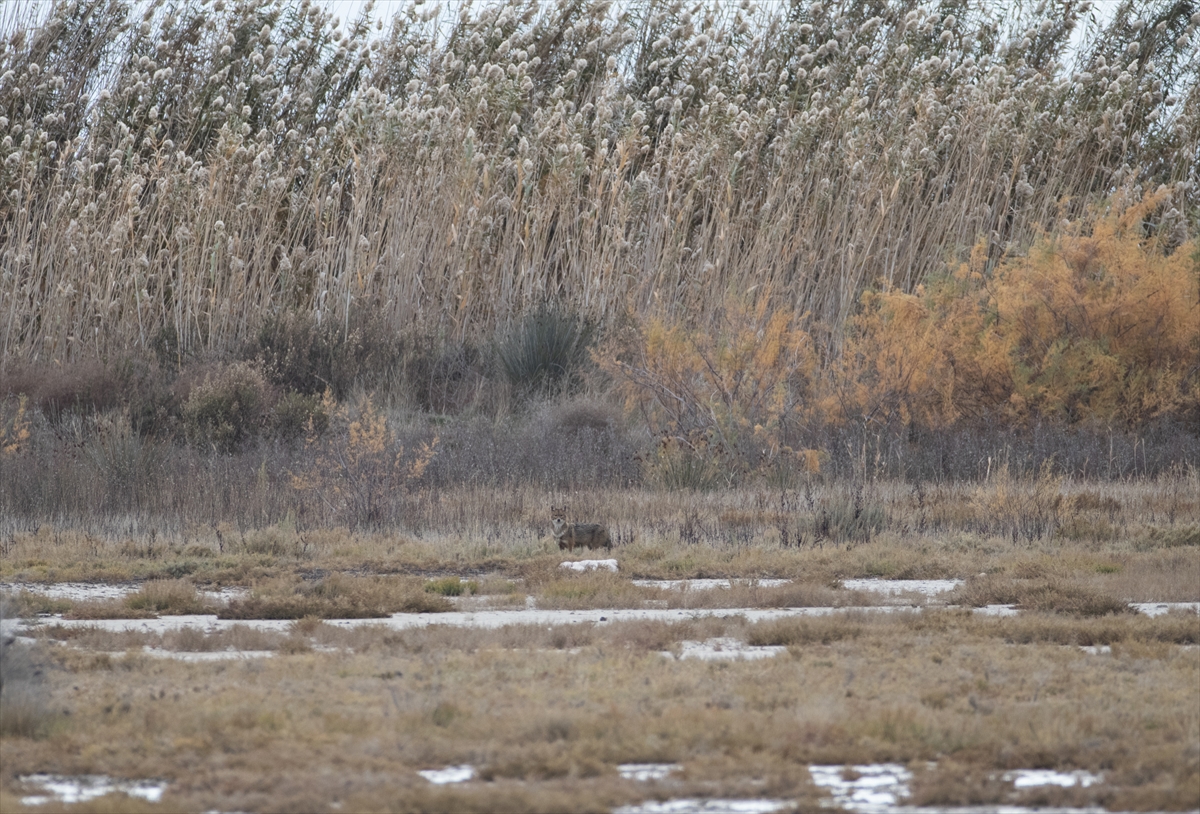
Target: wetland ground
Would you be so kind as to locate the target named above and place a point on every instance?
(346, 671)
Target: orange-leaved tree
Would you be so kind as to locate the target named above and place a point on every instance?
(1101, 327)
(921, 357)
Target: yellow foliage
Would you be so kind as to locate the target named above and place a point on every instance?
(14, 432)
(710, 390)
(810, 460)
(1100, 328)
(358, 468)
(1105, 327)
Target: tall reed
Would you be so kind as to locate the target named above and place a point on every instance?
(171, 175)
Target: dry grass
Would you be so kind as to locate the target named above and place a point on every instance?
(174, 597)
(1036, 594)
(335, 596)
(497, 539)
(978, 695)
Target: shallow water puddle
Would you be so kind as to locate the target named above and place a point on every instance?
(1159, 608)
(99, 592)
(1031, 778)
(74, 591)
(647, 771)
(691, 806)
(590, 565)
(869, 787)
(450, 774)
(209, 623)
(494, 618)
(724, 649)
(998, 610)
(891, 587)
(706, 584)
(205, 655)
(87, 787)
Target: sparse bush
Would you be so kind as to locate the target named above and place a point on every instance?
(547, 350)
(229, 407)
(82, 386)
(126, 463)
(297, 415)
(303, 355)
(1024, 508)
(447, 378)
(360, 471)
(672, 466)
(725, 396)
(848, 520)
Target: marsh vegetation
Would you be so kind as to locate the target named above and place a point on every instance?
(305, 326)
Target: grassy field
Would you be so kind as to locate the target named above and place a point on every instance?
(345, 713)
(546, 715)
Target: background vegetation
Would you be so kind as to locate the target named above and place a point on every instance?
(308, 268)
(177, 177)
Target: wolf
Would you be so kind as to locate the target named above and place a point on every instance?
(569, 535)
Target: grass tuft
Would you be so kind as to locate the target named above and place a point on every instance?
(335, 597)
(547, 351)
(171, 597)
(451, 586)
(1046, 594)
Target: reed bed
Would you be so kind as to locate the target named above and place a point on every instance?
(172, 176)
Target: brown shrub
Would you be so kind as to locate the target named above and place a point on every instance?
(226, 406)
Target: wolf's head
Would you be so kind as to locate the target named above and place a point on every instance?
(558, 518)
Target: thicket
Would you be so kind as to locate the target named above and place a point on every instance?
(1102, 327)
(1096, 329)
